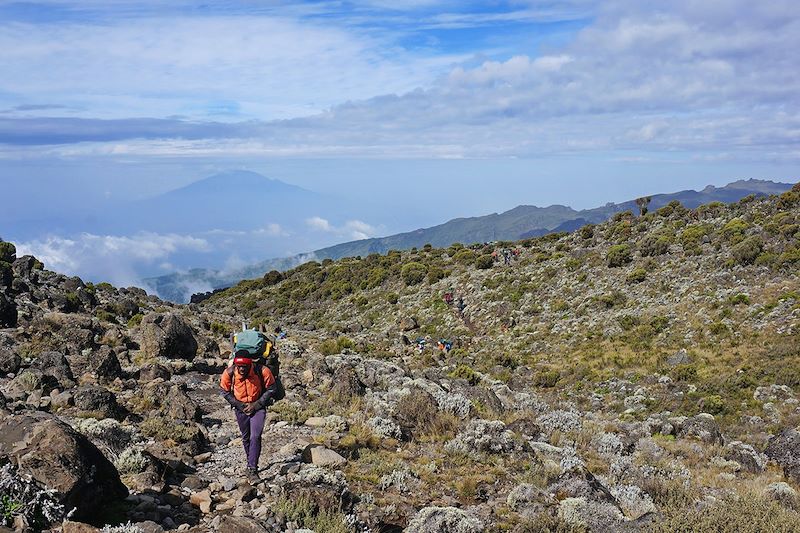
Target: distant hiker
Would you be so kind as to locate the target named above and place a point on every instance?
(448, 298)
(506, 256)
(460, 305)
(420, 344)
(279, 333)
(445, 345)
(250, 387)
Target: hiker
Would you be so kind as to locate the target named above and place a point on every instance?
(279, 333)
(250, 386)
(448, 298)
(460, 305)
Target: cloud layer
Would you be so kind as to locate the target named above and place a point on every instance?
(714, 80)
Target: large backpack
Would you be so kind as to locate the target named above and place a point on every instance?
(262, 350)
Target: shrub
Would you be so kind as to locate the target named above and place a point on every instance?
(748, 514)
(684, 372)
(135, 320)
(392, 298)
(465, 257)
(654, 245)
(273, 277)
(746, 252)
(638, 275)
(587, 231)
(435, 274)
(308, 514)
(619, 255)
(336, 346)
(734, 230)
(692, 237)
(613, 299)
(8, 252)
(223, 330)
(713, 404)
(546, 378)
(465, 372)
(484, 262)
(413, 273)
(105, 316)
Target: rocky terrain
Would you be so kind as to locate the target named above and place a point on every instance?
(637, 375)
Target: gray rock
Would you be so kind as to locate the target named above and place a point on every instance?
(321, 456)
(784, 494)
(62, 459)
(443, 520)
(167, 335)
(97, 401)
(703, 427)
(784, 449)
(679, 358)
(488, 436)
(745, 455)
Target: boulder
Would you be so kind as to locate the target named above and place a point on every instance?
(784, 449)
(104, 365)
(97, 401)
(179, 406)
(679, 358)
(10, 361)
(345, 384)
(745, 455)
(784, 494)
(62, 459)
(443, 520)
(55, 364)
(167, 335)
(151, 372)
(703, 427)
(8, 312)
(321, 456)
(408, 323)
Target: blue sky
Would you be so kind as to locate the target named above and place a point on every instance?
(492, 103)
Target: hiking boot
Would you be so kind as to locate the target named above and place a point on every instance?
(252, 474)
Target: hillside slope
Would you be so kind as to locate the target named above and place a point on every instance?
(518, 223)
(637, 375)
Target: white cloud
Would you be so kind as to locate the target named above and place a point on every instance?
(352, 229)
(116, 259)
(319, 224)
(272, 230)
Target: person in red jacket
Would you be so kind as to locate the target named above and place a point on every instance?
(249, 387)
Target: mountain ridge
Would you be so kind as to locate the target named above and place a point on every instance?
(522, 221)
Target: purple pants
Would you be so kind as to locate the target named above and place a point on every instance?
(251, 427)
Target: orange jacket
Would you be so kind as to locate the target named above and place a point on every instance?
(247, 389)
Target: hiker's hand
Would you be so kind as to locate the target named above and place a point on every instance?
(250, 408)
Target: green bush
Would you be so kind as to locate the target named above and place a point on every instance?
(484, 262)
(465, 372)
(546, 378)
(619, 255)
(747, 251)
(135, 320)
(413, 273)
(638, 275)
(105, 316)
(435, 274)
(273, 277)
(691, 238)
(713, 404)
(8, 252)
(734, 230)
(654, 245)
(393, 298)
(336, 346)
(465, 257)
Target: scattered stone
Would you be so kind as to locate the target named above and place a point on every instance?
(745, 455)
(703, 427)
(321, 456)
(784, 449)
(784, 494)
(443, 520)
(202, 500)
(679, 358)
